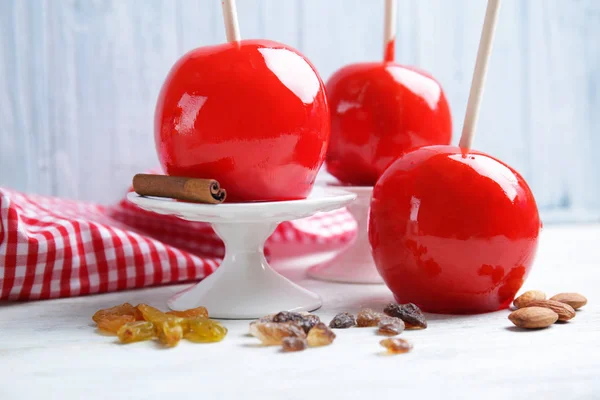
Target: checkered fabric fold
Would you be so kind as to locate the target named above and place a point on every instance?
(51, 247)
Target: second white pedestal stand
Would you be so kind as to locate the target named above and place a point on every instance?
(355, 264)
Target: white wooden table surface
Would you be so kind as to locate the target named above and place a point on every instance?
(50, 350)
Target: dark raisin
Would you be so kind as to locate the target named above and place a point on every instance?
(287, 316)
(304, 320)
(409, 313)
(309, 321)
(342, 321)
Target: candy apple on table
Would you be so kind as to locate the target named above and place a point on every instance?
(452, 229)
(379, 110)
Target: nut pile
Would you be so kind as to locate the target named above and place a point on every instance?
(142, 322)
(534, 311)
(298, 331)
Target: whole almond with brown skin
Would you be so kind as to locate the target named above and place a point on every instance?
(528, 297)
(575, 300)
(565, 312)
(533, 317)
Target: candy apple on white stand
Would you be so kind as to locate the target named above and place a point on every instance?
(251, 114)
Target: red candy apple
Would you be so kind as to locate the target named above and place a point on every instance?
(453, 231)
(379, 111)
(251, 114)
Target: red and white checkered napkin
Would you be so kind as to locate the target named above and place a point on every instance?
(52, 247)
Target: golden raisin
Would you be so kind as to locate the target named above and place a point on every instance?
(396, 346)
(152, 314)
(136, 332)
(204, 330)
(111, 319)
(123, 309)
(112, 324)
(169, 328)
(191, 313)
(169, 333)
(320, 335)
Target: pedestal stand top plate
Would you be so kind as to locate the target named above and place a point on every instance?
(321, 199)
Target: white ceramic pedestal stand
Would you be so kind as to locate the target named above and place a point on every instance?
(245, 286)
(355, 264)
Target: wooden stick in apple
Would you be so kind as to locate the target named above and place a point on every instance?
(389, 30)
(232, 28)
(483, 56)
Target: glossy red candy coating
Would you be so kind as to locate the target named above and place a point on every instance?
(452, 232)
(378, 112)
(252, 115)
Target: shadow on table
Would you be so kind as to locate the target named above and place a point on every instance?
(453, 317)
(377, 302)
(7, 304)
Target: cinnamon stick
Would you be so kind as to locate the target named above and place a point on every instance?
(180, 188)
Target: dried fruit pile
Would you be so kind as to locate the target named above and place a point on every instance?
(143, 322)
(292, 331)
(535, 312)
(297, 331)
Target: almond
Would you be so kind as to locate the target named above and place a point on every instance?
(565, 312)
(575, 300)
(533, 317)
(528, 297)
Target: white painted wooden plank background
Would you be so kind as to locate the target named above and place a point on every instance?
(79, 80)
